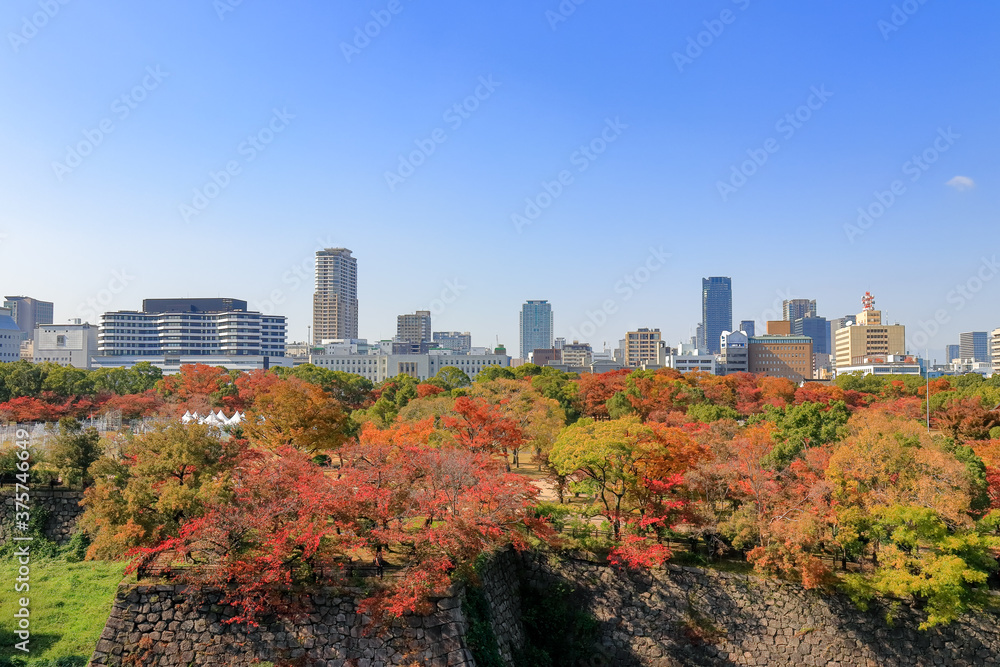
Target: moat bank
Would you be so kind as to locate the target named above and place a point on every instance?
(675, 616)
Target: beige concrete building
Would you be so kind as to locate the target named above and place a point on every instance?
(335, 302)
(995, 350)
(782, 356)
(414, 327)
(642, 345)
(868, 338)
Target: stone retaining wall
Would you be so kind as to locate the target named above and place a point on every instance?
(163, 625)
(63, 508)
(500, 581)
(689, 616)
(670, 617)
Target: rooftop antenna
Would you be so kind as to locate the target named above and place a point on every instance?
(868, 301)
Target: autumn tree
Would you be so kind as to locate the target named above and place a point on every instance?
(352, 391)
(616, 458)
(596, 388)
(196, 386)
(539, 419)
(134, 406)
(271, 531)
(481, 427)
(142, 494)
(294, 413)
(967, 419)
(441, 507)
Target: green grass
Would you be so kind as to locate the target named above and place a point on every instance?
(70, 603)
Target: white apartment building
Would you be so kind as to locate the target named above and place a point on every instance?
(378, 366)
(73, 344)
(890, 364)
(172, 332)
(735, 352)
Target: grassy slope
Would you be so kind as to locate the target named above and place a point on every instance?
(70, 603)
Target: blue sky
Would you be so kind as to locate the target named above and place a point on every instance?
(182, 86)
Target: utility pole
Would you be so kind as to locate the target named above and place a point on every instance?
(927, 391)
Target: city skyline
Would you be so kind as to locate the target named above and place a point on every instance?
(260, 133)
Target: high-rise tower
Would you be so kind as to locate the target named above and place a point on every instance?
(335, 302)
(716, 310)
(536, 327)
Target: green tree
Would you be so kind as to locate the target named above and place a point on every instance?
(450, 377)
(706, 413)
(141, 377)
(494, 373)
(527, 370)
(562, 388)
(806, 425)
(67, 381)
(619, 406)
(924, 559)
(22, 378)
(74, 451)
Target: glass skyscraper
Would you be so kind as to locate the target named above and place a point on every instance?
(536, 327)
(716, 310)
(816, 328)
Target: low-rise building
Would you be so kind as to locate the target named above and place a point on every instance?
(734, 356)
(10, 340)
(577, 354)
(73, 344)
(781, 356)
(686, 358)
(890, 364)
(378, 366)
(545, 357)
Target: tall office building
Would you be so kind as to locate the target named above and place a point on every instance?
(414, 327)
(951, 352)
(973, 345)
(335, 302)
(749, 327)
(816, 328)
(793, 309)
(716, 310)
(536, 327)
(28, 313)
